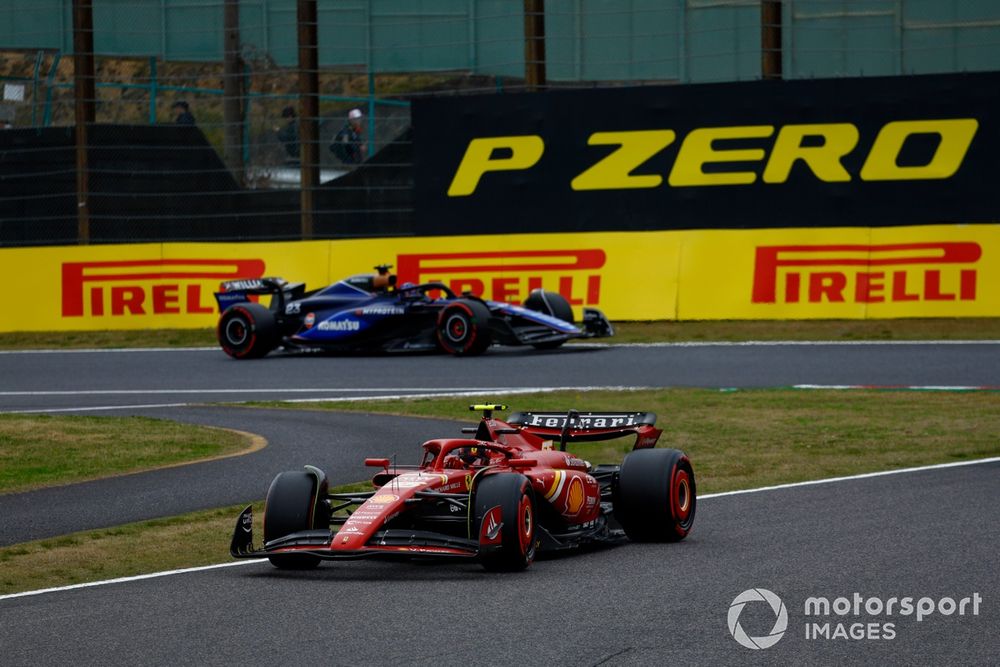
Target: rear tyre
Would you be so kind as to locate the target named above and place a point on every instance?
(294, 504)
(655, 497)
(463, 328)
(513, 496)
(247, 331)
(550, 303)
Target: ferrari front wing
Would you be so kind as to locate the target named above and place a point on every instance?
(386, 544)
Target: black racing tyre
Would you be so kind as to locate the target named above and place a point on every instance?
(463, 328)
(655, 496)
(512, 494)
(247, 331)
(550, 303)
(293, 505)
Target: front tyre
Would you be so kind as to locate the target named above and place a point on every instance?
(247, 331)
(505, 520)
(550, 303)
(655, 497)
(295, 503)
(463, 328)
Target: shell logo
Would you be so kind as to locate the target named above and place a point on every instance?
(383, 499)
(575, 496)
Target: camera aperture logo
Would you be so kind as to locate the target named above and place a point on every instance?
(854, 617)
(780, 618)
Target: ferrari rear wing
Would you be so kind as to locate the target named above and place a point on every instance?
(573, 426)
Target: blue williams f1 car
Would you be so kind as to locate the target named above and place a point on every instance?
(369, 312)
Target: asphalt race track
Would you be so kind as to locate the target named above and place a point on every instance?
(337, 443)
(928, 533)
(73, 380)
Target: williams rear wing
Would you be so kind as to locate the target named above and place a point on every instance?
(236, 291)
(573, 426)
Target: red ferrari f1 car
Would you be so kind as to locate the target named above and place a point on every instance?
(501, 496)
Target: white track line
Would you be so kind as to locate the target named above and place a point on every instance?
(123, 580)
(912, 387)
(94, 408)
(777, 487)
(112, 350)
(789, 343)
(447, 393)
(280, 390)
(848, 478)
(743, 343)
(422, 392)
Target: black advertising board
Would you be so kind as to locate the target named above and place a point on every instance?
(876, 151)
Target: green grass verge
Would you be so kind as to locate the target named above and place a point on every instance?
(748, 438)
(625, 332)
(45, 450)
(199, 538)
(739, 439)
(188, 540)
(986, 328)
(76, 340)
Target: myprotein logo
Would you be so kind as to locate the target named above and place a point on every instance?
(757, 595)
(148, 287)
(511, 275)
(894, 273)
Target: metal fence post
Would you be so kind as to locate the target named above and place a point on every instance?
(232, 83)
(84, 98)
(534, 44)
(308, 111)
(770, 39)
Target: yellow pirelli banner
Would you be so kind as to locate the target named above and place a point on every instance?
(926, 271)
(932, 271)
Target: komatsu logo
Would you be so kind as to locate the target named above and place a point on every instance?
(511, 275)
(339, 325)
(148, 287)
(944, 271)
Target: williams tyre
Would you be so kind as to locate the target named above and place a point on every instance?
(463, 328)
(550, 303)
(247, 331)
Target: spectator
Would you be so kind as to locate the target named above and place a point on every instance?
(288, 134)
(183, 111)
(347, 145)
